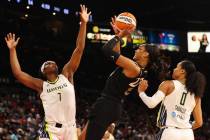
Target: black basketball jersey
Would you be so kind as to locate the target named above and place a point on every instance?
(119, 85)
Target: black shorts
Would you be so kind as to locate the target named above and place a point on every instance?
(104, 112)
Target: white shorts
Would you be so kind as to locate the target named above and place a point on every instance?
(175, 134)
(66, 132)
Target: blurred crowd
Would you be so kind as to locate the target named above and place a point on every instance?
(21, 115)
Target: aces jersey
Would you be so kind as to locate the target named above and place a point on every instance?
(58, 101)
(176, 108)
(118, 84)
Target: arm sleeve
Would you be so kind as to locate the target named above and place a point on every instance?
(153, 101)
(108, 48)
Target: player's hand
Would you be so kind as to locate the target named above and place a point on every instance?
(143, 85)
(84, 14)
(114, 27)
(118, 32)
(11, 41)
(125, 33)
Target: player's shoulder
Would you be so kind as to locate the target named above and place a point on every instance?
(168, 83)
(66, 79)
(61, 76)
(167, 86)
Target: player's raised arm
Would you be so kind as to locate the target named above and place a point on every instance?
(116, 31)
(21, 76)
(110, 50)
(73, 64)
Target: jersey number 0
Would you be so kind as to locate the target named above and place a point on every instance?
(183, 99)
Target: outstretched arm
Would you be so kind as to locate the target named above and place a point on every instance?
(164, 89)
(73, 64)
(21, 76)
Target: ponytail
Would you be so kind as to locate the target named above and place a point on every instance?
(195, 81)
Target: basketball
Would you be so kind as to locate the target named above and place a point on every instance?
(125, 20)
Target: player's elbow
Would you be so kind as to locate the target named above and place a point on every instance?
(135, 70)
(149, 101)
(199, 124)
(151, 105)
(78, 51)
(17, 74)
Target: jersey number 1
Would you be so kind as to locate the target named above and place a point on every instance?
(59, 96)
(183, 99)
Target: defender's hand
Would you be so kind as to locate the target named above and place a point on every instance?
(11, 42)
(84, 15)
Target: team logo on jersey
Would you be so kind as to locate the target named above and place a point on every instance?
(180, 112)
(180, 109)
(177, 115)
(182, 117)
(136, 83)
(173, 114)
(132, 86)
(56, 88)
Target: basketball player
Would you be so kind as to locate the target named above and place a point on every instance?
(123, 79)
(57, 92)
(180, 98)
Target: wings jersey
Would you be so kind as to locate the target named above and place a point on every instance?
(58, 100)
(176, 108)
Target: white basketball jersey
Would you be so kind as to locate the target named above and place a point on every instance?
(176, 108)
(58, 100)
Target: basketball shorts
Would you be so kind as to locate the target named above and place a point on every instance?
(175, 134)
(56, 131)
